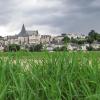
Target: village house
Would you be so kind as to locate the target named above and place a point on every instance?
(96, 45)
(32, 37)
(45, 39)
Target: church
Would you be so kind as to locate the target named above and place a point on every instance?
(27, 37)
(23, 38)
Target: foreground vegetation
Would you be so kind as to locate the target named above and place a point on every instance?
(50, 76)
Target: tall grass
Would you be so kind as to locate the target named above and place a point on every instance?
(50, 76)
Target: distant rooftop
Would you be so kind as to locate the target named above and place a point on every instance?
(24, 32)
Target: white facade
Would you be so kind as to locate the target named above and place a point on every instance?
(45, 39)
(75, 35)
(34, 39)
(95, 45)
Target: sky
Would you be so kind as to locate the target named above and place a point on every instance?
(49, 16)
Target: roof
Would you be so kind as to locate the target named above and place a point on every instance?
(24, 32)
(32, 32)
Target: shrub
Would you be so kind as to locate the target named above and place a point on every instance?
(36, 48)
(14, 47)
(90, 48)
(63, 48)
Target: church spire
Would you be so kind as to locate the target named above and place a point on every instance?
(23, 31)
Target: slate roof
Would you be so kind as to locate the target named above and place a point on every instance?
(24, 32)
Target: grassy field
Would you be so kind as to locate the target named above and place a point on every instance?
(50, 76)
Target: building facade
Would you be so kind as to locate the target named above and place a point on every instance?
(28, 37)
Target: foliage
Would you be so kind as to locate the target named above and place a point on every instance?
(90, 40)
(93, 36)
(80, 42)
(66, 39)
(35, 48)
(56, 49)
(73, 40)
(63, 48)
(31, 48)
(38, 47)
(14, 47)
(90, 48)
(6, 48)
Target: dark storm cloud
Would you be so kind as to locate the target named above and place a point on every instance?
(64, 15)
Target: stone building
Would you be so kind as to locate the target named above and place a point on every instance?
(45, 39)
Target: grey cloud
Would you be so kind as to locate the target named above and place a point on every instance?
(67, 16)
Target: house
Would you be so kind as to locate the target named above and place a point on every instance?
(1, 48)
(34, 39)
(73, 46)
(57, 40)
(96, 45)
(45, 39)
(83, 47)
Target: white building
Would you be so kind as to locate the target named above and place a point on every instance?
(45, 39)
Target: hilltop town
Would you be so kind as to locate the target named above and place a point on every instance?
(28, 38)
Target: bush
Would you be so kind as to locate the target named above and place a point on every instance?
(31, 48)
(14, 47)
(56, 49)
(36, 48)
(64, 48)
(90, 48)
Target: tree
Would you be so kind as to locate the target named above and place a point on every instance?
(66, 39)
(90, 40)
(38, 47)
(63, 48)
(93, 35)
(31, 48)
(13, 47)
(98, 38)
(81, 42)
(6, 48)
(56, 49)
(73, 40)
(90, 48)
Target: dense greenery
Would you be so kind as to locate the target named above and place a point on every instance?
(36, 48)
(14, 47)
(93, 36)
(66, 39)
(50, 76)
(63, 48)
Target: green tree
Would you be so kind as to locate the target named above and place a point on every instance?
(38, 47)
(14, 47)
(90, 40)
(74, 40)
(90, 48)
(66, 40)
(98, 38)
(93, 35)
(56, 49)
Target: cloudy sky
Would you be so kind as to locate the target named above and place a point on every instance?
(49, 16)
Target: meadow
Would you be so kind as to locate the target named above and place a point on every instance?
(50, 76)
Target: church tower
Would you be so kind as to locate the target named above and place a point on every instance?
(23, 31)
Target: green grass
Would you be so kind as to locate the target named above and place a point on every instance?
(50, 76)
